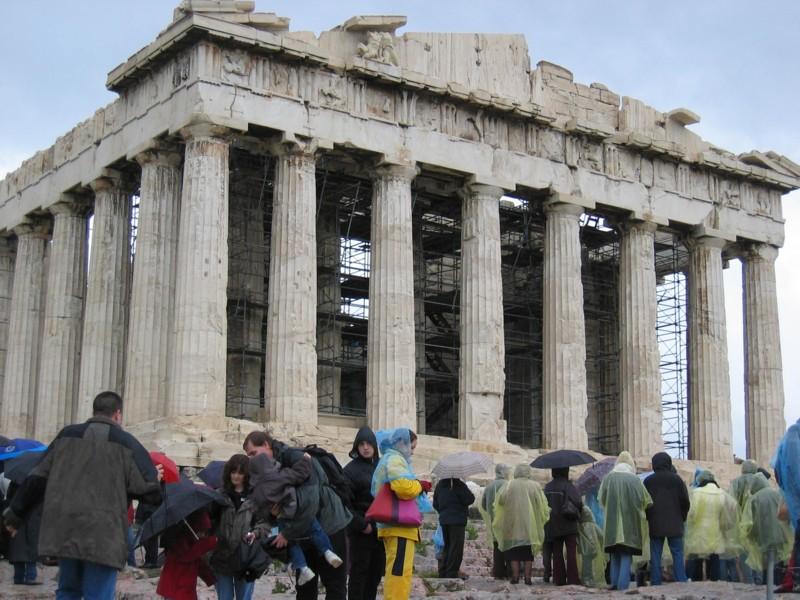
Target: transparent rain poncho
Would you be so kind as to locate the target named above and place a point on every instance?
(786, 463)
(502, 474)
(711, 522)
(624, 500)
(591, 556)
(741, 486)
(760, 529)
(395, 462)
(520, 512)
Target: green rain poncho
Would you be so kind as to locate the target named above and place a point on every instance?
(741, 486)
(624, 500)
(760, 529)
(711, 522)
(520, 512)
(591, 557)
(502, 474)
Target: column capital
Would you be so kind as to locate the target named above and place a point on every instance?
(638, 224)
(109, 180)
(759, 251)
(404, 172)
(558, 206)
(70, 204)
(206, 130)
(473, 188)
(160, 154)
(33, 227)
(290, 144)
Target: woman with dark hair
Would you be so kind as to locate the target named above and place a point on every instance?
(562, 528)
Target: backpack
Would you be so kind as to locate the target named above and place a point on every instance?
(337, 480)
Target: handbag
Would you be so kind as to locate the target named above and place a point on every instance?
(388, 509)
(569, 510)
(251, 561)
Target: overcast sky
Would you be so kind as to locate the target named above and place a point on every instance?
(736, 63)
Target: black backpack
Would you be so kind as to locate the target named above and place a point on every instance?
(337, 480)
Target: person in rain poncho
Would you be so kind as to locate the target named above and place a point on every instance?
(394, 467)
(591, 556)
(741, 490)
(710, 527)
(502, 473)
(760, 529)
(787, 471)
(520, 512)
(624, 500)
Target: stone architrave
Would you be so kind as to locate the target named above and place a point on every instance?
(481, 373)
(391, 366)
(7, 255)
(106, 310)
(61, 336)
(199, 354)
(24, 329)
(639, 372)
(764, 398)
(710, 428)
(152, 302)
(565, 401)
(291, 362)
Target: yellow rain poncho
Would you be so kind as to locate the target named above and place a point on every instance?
(486, 507)
(520, 512)
(624, 500)
(760, 529)
(711, 522)
(591, 557)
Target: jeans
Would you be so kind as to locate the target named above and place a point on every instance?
(620, 570)
(24, 572)
(131, 548)
(229, 587)
(656, 552)
(83, 579)
(319, 539)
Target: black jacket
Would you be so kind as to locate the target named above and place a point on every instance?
(559, 526)
(670, 499)
(452, 500)
(359, 471)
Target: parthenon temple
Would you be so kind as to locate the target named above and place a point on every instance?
(415, 229)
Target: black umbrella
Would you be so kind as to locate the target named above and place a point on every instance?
(17, 469)
(181, 499)
(559, 459)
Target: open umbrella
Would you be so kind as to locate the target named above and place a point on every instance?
(171, 473)
(590, 479)
(461, 465)
(559, 459)
(212, 473)
(181, 499)
(17, 469)
(20, 446)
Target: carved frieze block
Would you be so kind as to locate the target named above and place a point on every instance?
(236, 67)
(331, 90)
(630, 164)
(181, 69)
(730, 193)
(664, 174)
(380, 102)
(551, 144)
(646, 172)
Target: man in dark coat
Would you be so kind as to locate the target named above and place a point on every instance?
(367, 554)
(561, 531)
(452, 500)
(666, 517)
(88, 475)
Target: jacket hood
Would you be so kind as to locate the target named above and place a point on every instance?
(662, 462)
(502, 471)
(749, 467)
(365, 434)
(261, 464)
(705, 477)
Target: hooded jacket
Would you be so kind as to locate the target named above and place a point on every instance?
(452, 500)
(670, 499)
(359, 471)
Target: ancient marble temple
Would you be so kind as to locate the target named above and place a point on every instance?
(414, 229)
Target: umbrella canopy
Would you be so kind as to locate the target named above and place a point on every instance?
(461, 465)
(559, 459)
(181, 499)
(17, 469)
(212, 473)
(171, 473)
(590, 479)
(20, 446)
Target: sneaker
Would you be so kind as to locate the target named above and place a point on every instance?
(332, 559)
(305, 575)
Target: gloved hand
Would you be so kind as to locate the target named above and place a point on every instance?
(426, 485)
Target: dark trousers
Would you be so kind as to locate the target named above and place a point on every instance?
(151, 552)
(499, 570)
(334, 580)
(695, 567)
(569, 574)
(367, 562)
(453, 550)
(547, 559)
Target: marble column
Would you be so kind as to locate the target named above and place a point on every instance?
(764, 399)
(199, 354)
(8, 250)
(565, 403)
(391, 366)
(710, 429)
(61, 337)
(639, 371)
(291, 362)
(152, 301)
(106, 310)
(24, 331)
(481, 374)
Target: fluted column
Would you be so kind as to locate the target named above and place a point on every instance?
(640, 376)
(565, 403)
(106, 312)
(8, 250)
(709, 386)
(201, 323)
(152, 300)
(291, 362)
(391, 367)
(764, 399)
(481, 374)
(61, 337)
(24, 331)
